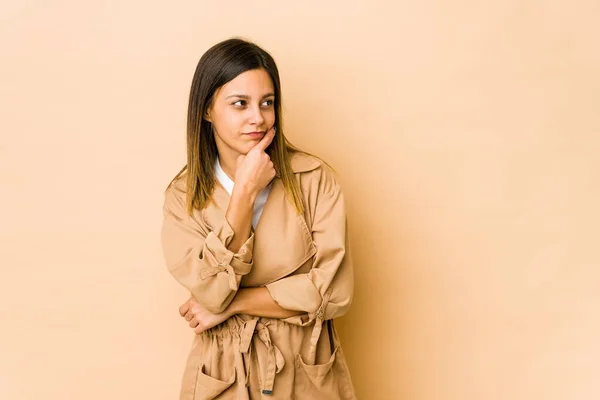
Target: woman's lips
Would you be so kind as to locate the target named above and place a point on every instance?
(255, 135)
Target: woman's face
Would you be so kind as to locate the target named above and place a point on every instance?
(242, 111)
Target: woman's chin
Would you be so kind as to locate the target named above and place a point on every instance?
(248, 146)
(244, 150)
(243, 147)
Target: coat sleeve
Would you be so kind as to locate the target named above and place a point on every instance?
(199, 259)
(326, 291)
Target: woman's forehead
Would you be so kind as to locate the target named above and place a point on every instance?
(252, 83)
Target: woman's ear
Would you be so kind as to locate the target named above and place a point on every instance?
(206, 116)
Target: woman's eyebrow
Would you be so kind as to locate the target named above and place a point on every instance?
(246, 97)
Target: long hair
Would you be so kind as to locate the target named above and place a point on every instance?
(219, 65)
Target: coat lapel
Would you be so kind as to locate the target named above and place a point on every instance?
(282, 240)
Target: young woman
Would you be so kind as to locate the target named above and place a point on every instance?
(255, 229)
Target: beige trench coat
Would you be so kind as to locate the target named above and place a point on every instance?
(304, 262)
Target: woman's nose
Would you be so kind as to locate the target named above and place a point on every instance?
(257, 116)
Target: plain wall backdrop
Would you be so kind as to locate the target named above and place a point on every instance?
(466, 136)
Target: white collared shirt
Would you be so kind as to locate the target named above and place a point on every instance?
(228, 184)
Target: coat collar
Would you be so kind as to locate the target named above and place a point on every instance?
(302, 162)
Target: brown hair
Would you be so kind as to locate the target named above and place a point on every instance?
(219, 65)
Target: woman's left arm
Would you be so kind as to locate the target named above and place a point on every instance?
(326, 291)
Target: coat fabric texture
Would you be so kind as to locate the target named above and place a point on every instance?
(304, 262)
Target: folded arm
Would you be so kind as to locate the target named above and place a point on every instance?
(210, 264)
(325, 291)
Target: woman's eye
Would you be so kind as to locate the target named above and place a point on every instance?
(243, 103)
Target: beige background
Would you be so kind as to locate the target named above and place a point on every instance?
(466, 136)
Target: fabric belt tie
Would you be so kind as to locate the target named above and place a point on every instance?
(275, 360)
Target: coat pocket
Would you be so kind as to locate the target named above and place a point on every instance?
(208, 388)
(323, 381)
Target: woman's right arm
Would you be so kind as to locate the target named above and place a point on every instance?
(202, 260)
(239, 215)
(253, 173)
(211, 264)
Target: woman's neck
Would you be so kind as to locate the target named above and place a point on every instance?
(228, 164)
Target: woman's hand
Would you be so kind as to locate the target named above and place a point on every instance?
(255, 170)
(198, 317)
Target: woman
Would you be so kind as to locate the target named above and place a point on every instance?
(255, 229)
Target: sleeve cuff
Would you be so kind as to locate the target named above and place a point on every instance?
(217, 242)
(295, 293)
